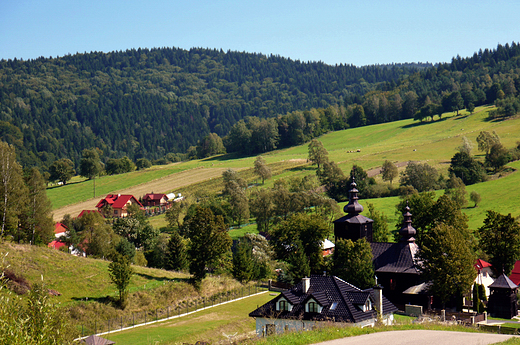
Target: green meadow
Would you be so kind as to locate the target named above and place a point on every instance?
(211, 325)
(434, 142)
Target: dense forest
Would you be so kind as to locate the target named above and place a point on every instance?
(146, 103)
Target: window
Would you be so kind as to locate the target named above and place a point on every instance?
(270, 329)
(313, 307)
(282, 305)
(333, 306)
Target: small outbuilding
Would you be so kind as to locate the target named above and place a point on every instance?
(502, 301)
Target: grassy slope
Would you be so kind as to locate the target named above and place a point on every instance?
(207, 325)
(74, 277)
(432, 142)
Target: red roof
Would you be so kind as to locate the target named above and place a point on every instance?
(480, 264)
(88, 211)
(56, 244)
(117, 200)
(60, 228)
(154, 196)
(515, 273)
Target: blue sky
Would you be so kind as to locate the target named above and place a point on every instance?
(351, 32)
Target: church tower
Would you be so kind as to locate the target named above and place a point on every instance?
(353, 226)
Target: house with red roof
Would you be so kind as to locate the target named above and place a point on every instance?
(60, 230)
(118, 203)
(484, 276)
(56, 244)
(155, 199)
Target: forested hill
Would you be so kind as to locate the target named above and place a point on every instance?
(147, 103)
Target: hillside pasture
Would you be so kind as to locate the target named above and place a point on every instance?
(434, 142)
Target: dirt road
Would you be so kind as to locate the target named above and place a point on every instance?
(162, 185)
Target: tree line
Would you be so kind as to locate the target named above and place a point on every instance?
(151, 103)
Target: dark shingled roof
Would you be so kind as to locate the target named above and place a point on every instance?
(503, 282)
(395, 257)
(325, 290)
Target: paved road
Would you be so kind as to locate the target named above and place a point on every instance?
(422, 337)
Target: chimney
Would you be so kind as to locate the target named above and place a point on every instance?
(306, 283)
(378, 292)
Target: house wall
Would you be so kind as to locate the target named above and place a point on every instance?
(283, 325)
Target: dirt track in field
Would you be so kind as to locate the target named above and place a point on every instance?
(165, 184)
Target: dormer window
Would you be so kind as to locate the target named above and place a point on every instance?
(313, 307)
(283, 305)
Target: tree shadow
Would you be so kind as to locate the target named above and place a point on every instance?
(422, 123)
(224, 158)
(303, 168)
(162, 279)
(102, 300)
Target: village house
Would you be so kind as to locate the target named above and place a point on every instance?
(155, 199)
(321, 299)
(484, 275)
(118, 203)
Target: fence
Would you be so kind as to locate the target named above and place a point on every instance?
(182, 308)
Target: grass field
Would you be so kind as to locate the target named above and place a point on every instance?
(210, 325)
(401, 141)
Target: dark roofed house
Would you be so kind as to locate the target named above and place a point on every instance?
(322, 299)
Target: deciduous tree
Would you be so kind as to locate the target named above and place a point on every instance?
(120, 273)
(90, 163)
(421, 176)
(447, 261)
(353, 262)
(500, 240)
(389, 171)
(317, 153)
(261, 169)
(61, 170)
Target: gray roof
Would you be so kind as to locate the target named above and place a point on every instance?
(503, 282)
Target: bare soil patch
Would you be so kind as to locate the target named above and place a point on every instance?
(166, 184)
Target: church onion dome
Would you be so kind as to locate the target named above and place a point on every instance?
(407, 231)
(353, 207)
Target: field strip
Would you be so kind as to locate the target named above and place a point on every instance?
(174, 316)
(165, 184)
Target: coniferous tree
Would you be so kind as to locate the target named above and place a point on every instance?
(243, 264)
(36, 219)
(209, 241)
(176, 256)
